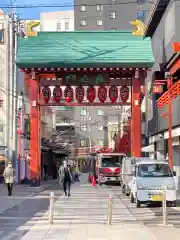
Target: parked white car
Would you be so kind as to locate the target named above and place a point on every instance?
(149, 180)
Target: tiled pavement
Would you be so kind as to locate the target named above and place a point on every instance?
(83, 216)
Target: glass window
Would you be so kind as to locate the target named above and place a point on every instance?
(99, 22)
(83, 22)
(140, 15)
(83, 142)
(83, 8)
(2, 36)
(154, 170)
(111, 161)
(99, 7)
(100, 112)
(66, 120)
(59, 26)
(84, 112)
(85, 127)
(66, 25)
(112, 15)
(100, 127)
(100, 142)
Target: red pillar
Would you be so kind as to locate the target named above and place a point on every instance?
(35, 161)
(136, 117)
(170, 154)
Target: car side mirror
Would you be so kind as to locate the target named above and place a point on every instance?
(174, 173)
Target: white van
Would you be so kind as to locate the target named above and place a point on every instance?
(150, 178)
(128, 164)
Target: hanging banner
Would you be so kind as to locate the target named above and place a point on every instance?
(91, 94)
(80, 94)
(46, 94)
(102, 94)
(113, 93)
(124, 93)
(69, 93)
(57, 94)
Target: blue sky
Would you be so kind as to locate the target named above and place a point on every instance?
(34, 13)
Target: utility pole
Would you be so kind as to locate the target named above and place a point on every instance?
(106, 142)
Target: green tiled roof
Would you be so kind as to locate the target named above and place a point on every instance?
(84, 49)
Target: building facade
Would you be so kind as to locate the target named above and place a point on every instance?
(8, 97)
(163, 28)
(57, 21)
(107, 14)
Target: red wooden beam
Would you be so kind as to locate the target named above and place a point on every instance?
(74, 104)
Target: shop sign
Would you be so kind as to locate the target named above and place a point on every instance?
(157, 88)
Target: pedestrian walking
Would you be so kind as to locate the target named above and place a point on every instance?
(9, 177)
(65, 178)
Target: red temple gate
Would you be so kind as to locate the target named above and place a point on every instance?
(85, 69)
(52, 87)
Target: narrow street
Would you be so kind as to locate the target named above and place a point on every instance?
(84, 216)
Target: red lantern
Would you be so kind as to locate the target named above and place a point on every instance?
(46, 92)
(68, 93)
(80, 94)
(68, 99)
(91, 94)
(57, 93)
(124, 93)
(102, 94)
(113, 93)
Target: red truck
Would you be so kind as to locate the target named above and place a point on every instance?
(108, 167)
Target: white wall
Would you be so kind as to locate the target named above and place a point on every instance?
(56, 21)
(7, 87)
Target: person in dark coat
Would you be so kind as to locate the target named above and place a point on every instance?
(65, 178)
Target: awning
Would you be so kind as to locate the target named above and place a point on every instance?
(149, 148)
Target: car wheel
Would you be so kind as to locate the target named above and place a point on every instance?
(138, 203)
(131, 198)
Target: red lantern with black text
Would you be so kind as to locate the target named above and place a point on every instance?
(91, 94)
(68, 93)
(113, 93)
(80, 94)
(57, 94)
(102, 94)
(124, 93)
(46, 93)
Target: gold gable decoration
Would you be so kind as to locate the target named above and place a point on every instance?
(140, 28)
(30, 26)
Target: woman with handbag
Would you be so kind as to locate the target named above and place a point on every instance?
(9, 177)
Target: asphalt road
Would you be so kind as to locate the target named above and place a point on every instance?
(12, 219)
(148, 214)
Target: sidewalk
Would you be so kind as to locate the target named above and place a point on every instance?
(83, 216)
(20, 193)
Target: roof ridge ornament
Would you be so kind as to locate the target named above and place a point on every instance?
(140, 28)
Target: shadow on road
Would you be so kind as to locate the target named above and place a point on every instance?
(35, 207)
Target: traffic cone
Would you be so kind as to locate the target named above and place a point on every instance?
(93, 182)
